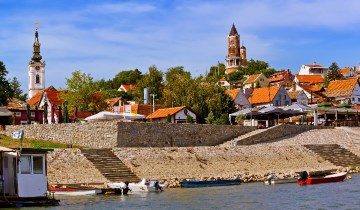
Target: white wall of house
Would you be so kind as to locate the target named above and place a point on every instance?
(32, 180)
(302, 98)
(308, 70)
(355, 96)
(181, 115)
(281, 98)
(241, 101)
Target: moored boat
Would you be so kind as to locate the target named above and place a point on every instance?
(304, 179)
(66, 190)
(280, 181)
(143, 186)
(209, 183)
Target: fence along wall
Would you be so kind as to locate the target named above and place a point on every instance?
(124, 134)
(176, 135)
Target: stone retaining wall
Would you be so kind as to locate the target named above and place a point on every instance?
(276, 132)
(176, 135)
(96, 135)
(131, 134)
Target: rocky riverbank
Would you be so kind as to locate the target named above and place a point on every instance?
(284, 158)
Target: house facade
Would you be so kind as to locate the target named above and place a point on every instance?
(348, 72)
(256, 80)
(177, 115)
(313, 69)
(127, 88)
(19, 108)
(298, 97)
(224, 83)
(269, 96)
(238, 95)
(282, 78)
(344, 91)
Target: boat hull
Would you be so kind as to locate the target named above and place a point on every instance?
(73, 191)
(339, 177)
(281, 181)
(209, 183)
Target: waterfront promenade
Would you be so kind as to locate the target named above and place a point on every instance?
(170, 165)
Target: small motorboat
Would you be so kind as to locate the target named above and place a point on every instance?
(73, 190)
(304, 178)
(210, 183)
(280, 181)
(143, 186)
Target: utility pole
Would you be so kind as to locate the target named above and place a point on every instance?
(153, 97)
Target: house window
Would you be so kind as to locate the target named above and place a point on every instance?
(38, 165)
(30, 164)
(18, 114)
(276, 103)
(25, 164)
(32, 114)
(358, 99)
(353, 99)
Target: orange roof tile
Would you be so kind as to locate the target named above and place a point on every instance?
(275, 79)
(223, 79)
(233, 93)
(36, 98)
(161, 113)
(52, 94)
(263, 95)
(310, 78)
(341, 88)
(129, 87)
(251, 78)
(293, 94)
(344, 70)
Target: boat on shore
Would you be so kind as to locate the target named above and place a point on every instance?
(143, 186)
(209, 183)
(280, 181)
(304, 179)
(73, 190)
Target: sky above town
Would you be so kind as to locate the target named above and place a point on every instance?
(102, 38)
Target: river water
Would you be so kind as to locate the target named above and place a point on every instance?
(341, 195)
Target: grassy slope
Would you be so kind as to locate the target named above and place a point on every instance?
(9, 142)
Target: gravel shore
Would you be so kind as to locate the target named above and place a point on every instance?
(170, 165)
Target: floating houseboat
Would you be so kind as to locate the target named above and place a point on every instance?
(23, 178)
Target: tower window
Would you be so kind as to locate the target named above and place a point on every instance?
(37, 79)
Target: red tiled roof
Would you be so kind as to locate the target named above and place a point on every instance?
(311, 79)
(233, 93)
(276, 79)
(161, 113)
(52, 94)
(223, 79)
(263, 95)
(251, 78)
(341, 88)
(344, 70)
(128, 87)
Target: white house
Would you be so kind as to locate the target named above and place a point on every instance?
(313, 69)
(269, 96)
(344, 91)
(298, 97)
(348, 72)
(238, 95)
(177, 115)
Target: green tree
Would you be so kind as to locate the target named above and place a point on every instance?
(16, 87)
(333, 74)
(210, 118)
(168, 118)
(126, 77)
(255, 66)
(268, 72)
(216, 72)
(82, 91)
(6, 92)
(189, 119)
(153, 81)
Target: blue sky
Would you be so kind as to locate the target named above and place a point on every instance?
(102, 38)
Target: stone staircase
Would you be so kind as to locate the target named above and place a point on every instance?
(109, 165)
(335, 154)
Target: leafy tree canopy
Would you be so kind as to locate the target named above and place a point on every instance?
(6, 91)
(153, 80)
(126, 77)
(333, 74)
(255, 66)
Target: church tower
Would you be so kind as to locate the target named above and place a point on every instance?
(36, 68)
(236, 56)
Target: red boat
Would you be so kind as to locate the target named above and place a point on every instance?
(305, 180)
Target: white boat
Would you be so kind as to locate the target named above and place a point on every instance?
(280, 181)
(143, 186)
(73, 191)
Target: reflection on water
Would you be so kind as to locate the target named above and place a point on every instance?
(342, 195)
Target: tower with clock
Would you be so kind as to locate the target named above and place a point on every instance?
(236, 57)
(36, 68)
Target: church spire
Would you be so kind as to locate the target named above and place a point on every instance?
(233, 31)
(36, 54)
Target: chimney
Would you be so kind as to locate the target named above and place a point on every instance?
(146, 95)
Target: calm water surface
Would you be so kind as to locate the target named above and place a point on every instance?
(342, 195)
